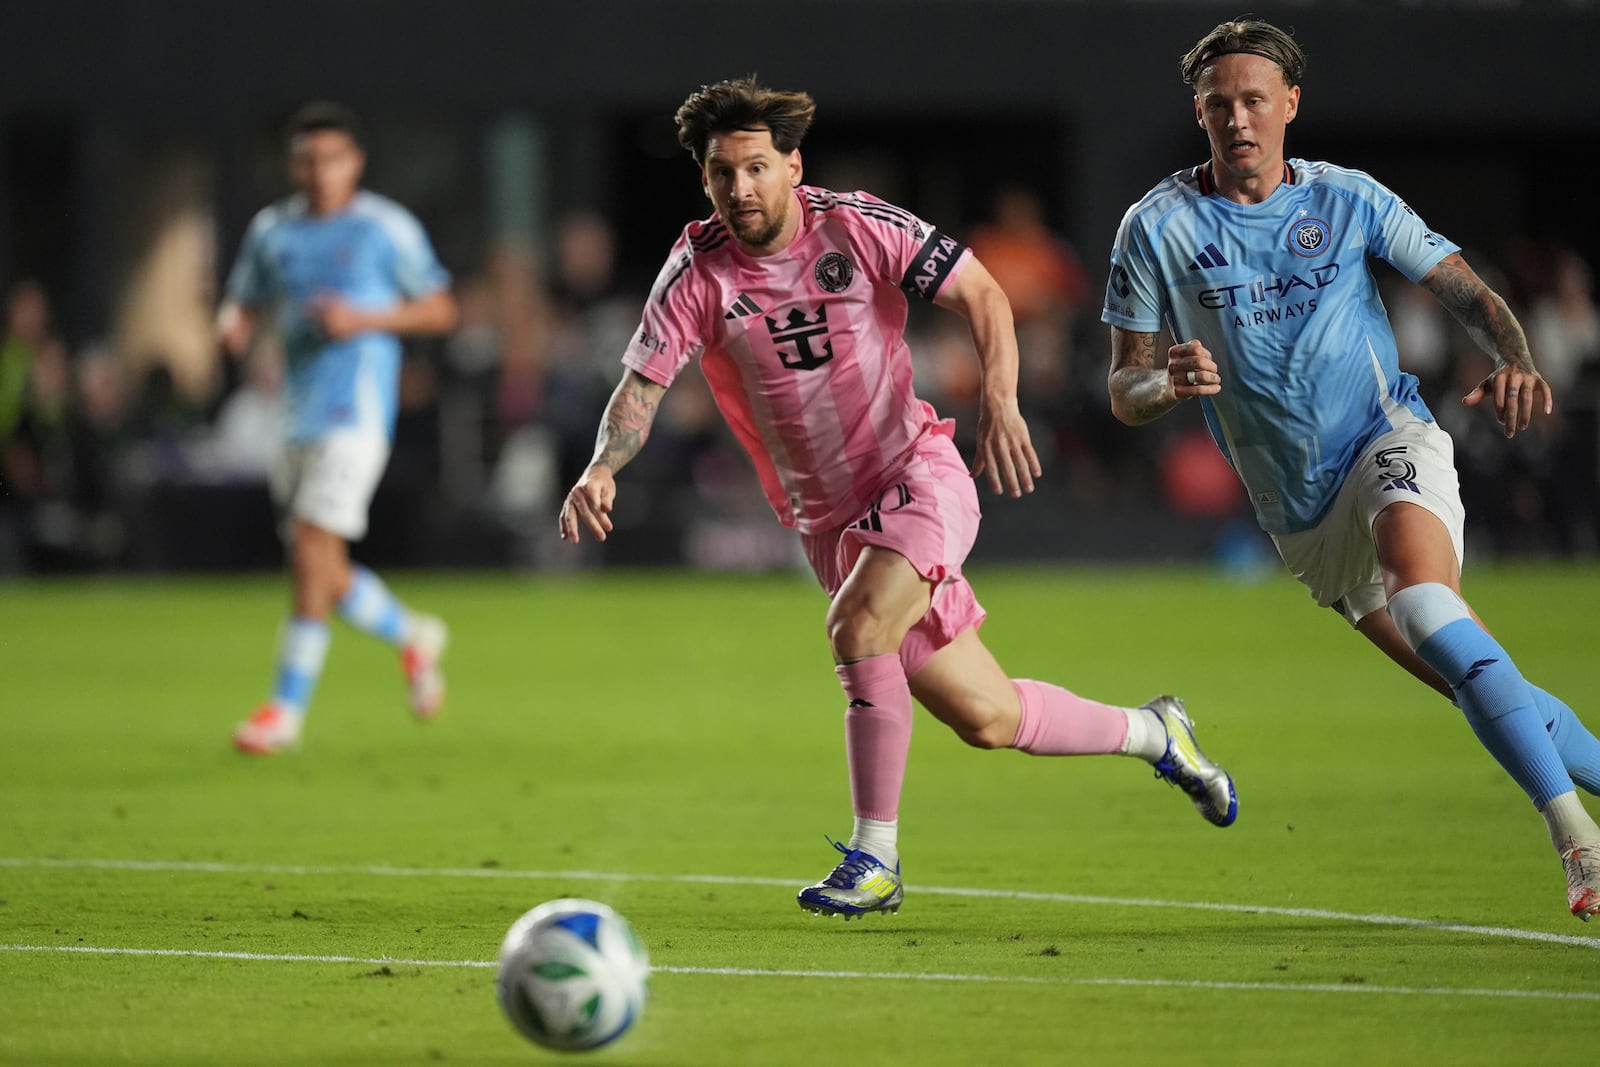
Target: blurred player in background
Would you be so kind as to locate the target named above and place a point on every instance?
(342, 271)
(793, 299)
(1258, 264)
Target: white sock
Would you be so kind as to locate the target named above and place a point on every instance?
(1567, 821)
(877, 837)
(1147, 737)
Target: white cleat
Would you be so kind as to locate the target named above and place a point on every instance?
(420, 660)
(1582, 864)
(270, 730)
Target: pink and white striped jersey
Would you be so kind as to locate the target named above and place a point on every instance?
(805, 349)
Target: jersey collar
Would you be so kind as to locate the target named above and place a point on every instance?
(1208, 182)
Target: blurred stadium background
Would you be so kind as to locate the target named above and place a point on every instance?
(534, 140)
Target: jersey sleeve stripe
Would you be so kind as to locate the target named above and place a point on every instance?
(882, 212)
(672, 279)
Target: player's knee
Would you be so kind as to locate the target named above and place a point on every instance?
(321, 572)
(979, 722)
(989, 735)
(855, 634)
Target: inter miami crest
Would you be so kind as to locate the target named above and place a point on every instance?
(834, 272)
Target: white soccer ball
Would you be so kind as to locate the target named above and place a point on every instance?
(572, 975)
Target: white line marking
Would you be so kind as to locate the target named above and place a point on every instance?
(380, 871)
(882, 976)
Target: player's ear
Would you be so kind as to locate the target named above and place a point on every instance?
(1294, 104)
(705, 183)
(1199, 116)
(796, 168)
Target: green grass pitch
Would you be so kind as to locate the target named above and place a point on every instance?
(671, 744)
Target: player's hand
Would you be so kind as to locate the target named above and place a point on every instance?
(1005, 449)
(235, 328)
(337, 318)
(1192, 372)
(589, 504)
(1515, 393)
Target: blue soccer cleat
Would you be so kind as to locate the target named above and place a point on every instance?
(1185, 766)
(861, 883)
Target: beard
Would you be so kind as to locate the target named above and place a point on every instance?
(758, 232)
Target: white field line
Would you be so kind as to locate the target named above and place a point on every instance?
(381, 871)
(888, 976)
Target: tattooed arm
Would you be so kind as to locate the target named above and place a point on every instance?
(1515, 387)
(1141, 391)
(623, 432)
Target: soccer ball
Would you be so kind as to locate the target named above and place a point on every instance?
(572, 975)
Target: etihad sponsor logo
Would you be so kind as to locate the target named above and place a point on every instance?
(1263, 289)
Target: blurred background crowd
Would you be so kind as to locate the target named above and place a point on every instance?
(129, 441)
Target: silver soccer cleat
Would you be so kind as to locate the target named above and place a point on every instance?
(861, 883)
(1185, 766)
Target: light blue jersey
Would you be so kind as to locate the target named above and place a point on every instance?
(1281, 294)
(373, 254)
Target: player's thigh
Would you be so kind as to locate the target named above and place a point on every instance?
(1411, 498)
(337, 479)
(1413, 546)
(883, 596)
(1407, 473)
(964, 686)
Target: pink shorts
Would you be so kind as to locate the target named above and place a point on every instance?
(928, 513)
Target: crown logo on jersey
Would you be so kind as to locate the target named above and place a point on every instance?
(742, 307)
(1208, 257)
(800, 330)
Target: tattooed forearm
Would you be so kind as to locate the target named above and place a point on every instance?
(1481, 310)
(627, 421)
(1139, 389)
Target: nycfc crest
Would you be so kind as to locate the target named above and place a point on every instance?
(1309, 237)
(834, 272)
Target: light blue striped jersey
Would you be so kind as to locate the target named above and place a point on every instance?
(1282, 295)
(373, 254)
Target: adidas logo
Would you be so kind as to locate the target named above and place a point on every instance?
(1209, 257)
(742, 307)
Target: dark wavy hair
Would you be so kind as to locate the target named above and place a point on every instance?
(743, 104)
(1249, 35)
(323, 115)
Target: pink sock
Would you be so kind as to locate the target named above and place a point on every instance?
(1058, 723)
(877, 733)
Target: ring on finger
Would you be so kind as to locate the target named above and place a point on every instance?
(1192, 379)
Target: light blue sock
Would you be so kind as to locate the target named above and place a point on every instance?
(301, 652)
(370, 607)
(1498, 703)
(1579, 749)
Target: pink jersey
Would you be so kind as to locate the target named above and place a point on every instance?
(805, 350)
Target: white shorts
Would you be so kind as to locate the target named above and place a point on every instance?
(1337, 560)
(329, 483)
